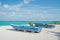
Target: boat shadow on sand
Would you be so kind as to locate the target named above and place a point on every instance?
(57, 34)
(19, 31)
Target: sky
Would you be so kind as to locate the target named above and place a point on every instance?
(29, 10)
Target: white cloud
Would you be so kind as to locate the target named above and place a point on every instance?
(3, 13)
(12, 14)
(6, 6)
(17, 6)
(33, 12)
(26, 1)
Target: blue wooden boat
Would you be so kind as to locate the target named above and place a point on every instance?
(44, 25)
(49, 26)
(27, 28)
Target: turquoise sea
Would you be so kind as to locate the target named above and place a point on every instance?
(4, 23)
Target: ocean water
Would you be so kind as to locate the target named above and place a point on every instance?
(5, 23)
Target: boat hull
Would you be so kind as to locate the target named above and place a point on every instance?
(27, 28)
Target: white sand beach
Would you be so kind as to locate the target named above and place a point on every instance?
(8, 33)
